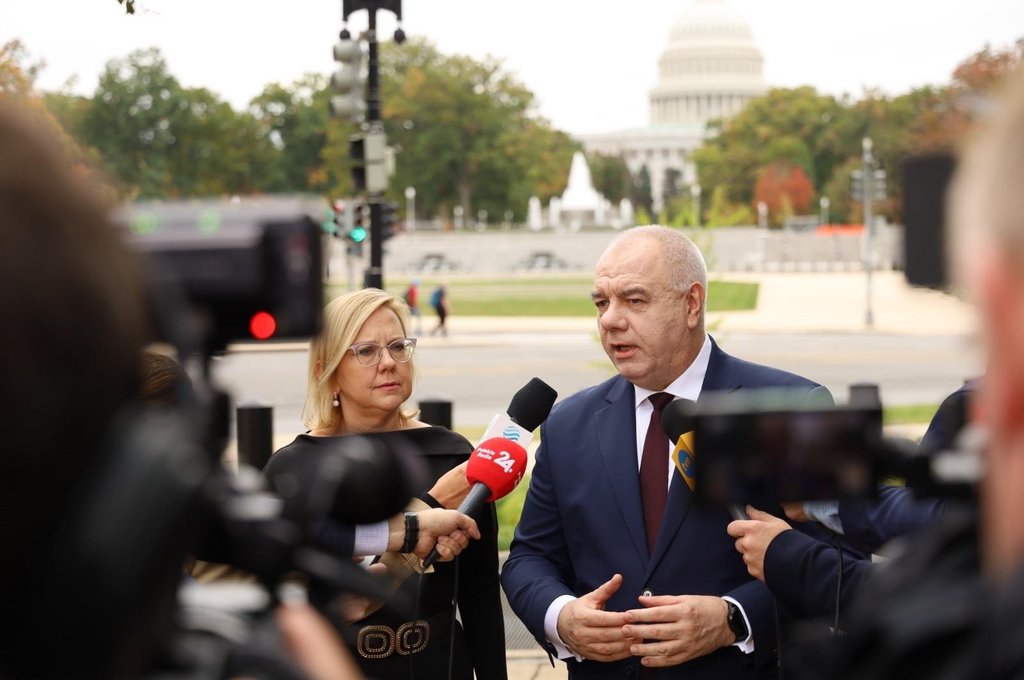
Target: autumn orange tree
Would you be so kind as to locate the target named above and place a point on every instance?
(785, 189)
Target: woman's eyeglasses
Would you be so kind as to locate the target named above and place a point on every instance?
(369, 353)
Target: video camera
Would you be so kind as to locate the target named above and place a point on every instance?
(770, 446)
(248, 269)
(219, 269)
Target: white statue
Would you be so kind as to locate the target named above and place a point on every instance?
(534, 217)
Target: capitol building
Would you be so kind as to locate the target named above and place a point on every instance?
(709, 70)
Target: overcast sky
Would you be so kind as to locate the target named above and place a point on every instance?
(590, 62)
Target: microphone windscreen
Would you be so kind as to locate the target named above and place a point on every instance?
(498, 464)
(678, 418)
(531, 405)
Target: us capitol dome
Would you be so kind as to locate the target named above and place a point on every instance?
(710, 68)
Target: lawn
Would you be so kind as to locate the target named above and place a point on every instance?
(545, 296)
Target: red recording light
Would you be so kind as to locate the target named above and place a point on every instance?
(262, 325)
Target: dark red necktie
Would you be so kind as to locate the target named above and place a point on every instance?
(654, 470)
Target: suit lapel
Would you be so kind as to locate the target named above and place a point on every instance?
(616, 439)
(717, 378)
(720, 376)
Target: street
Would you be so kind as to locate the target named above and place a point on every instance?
(479, 371)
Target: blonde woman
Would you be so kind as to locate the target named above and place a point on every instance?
(360, 376)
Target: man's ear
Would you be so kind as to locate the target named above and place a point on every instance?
(695, 305)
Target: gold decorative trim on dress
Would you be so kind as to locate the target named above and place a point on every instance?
(380, 642)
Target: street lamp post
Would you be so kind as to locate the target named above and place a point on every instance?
(869, 252)
(695, 195)
(823, 203)
(410, 208)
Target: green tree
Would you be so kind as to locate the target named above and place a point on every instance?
(642, 197)
(159, 139)
(610, 176)
(294, 118)
(786, 126)
(465, 132)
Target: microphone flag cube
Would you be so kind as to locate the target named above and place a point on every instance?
(683, 457)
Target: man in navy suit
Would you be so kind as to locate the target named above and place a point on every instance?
(582, 573)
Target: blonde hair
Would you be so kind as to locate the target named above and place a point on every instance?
(344, 316)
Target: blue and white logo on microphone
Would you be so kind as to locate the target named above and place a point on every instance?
(511, 432)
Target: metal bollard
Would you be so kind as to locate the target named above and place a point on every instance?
(255, 427)
(865, 395)
(436, 412)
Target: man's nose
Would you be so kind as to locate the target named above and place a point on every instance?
(612, 317)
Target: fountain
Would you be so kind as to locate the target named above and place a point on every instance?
(581, 204)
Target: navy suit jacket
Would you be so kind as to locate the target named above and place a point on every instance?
(582, 522)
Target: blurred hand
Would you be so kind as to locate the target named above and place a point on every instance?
(451, 489)
(449, 530)
(313, 643)
(673, 629)
(358, 607)
(795, 512)
(589, 631)
(753, 537)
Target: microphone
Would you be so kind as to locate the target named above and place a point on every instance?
(495, 467)
(529, 408)
(678, 420)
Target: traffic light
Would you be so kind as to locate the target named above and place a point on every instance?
(348, 81)
(359, 228)
(389, 218)
(357, 162)
(857, 185)
(877, 185)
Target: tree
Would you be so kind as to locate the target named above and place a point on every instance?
(789, 126)
(642, 197)
(785, 189)
(610, 176)
(465, 131)
(17, 76)
(670, 187)
(161, 140)
(295, 120)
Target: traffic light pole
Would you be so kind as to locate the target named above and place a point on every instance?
(869, 228)
(374, 276)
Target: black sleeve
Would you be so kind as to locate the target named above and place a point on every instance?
(480, 599)
(803, 573)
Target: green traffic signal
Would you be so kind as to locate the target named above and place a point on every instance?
(358, 234)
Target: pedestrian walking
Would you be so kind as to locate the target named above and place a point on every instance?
(439, 301)
(412, 299)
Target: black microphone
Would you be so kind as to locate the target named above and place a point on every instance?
(497, 464)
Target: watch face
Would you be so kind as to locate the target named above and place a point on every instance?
(736, 623)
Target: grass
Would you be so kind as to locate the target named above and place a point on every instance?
(544, 296)
(912, 413)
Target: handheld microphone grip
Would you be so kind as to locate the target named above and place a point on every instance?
(495, 467)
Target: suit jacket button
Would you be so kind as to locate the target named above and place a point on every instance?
(630, 671)
(647, 592)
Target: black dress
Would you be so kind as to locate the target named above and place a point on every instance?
(391, 645)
